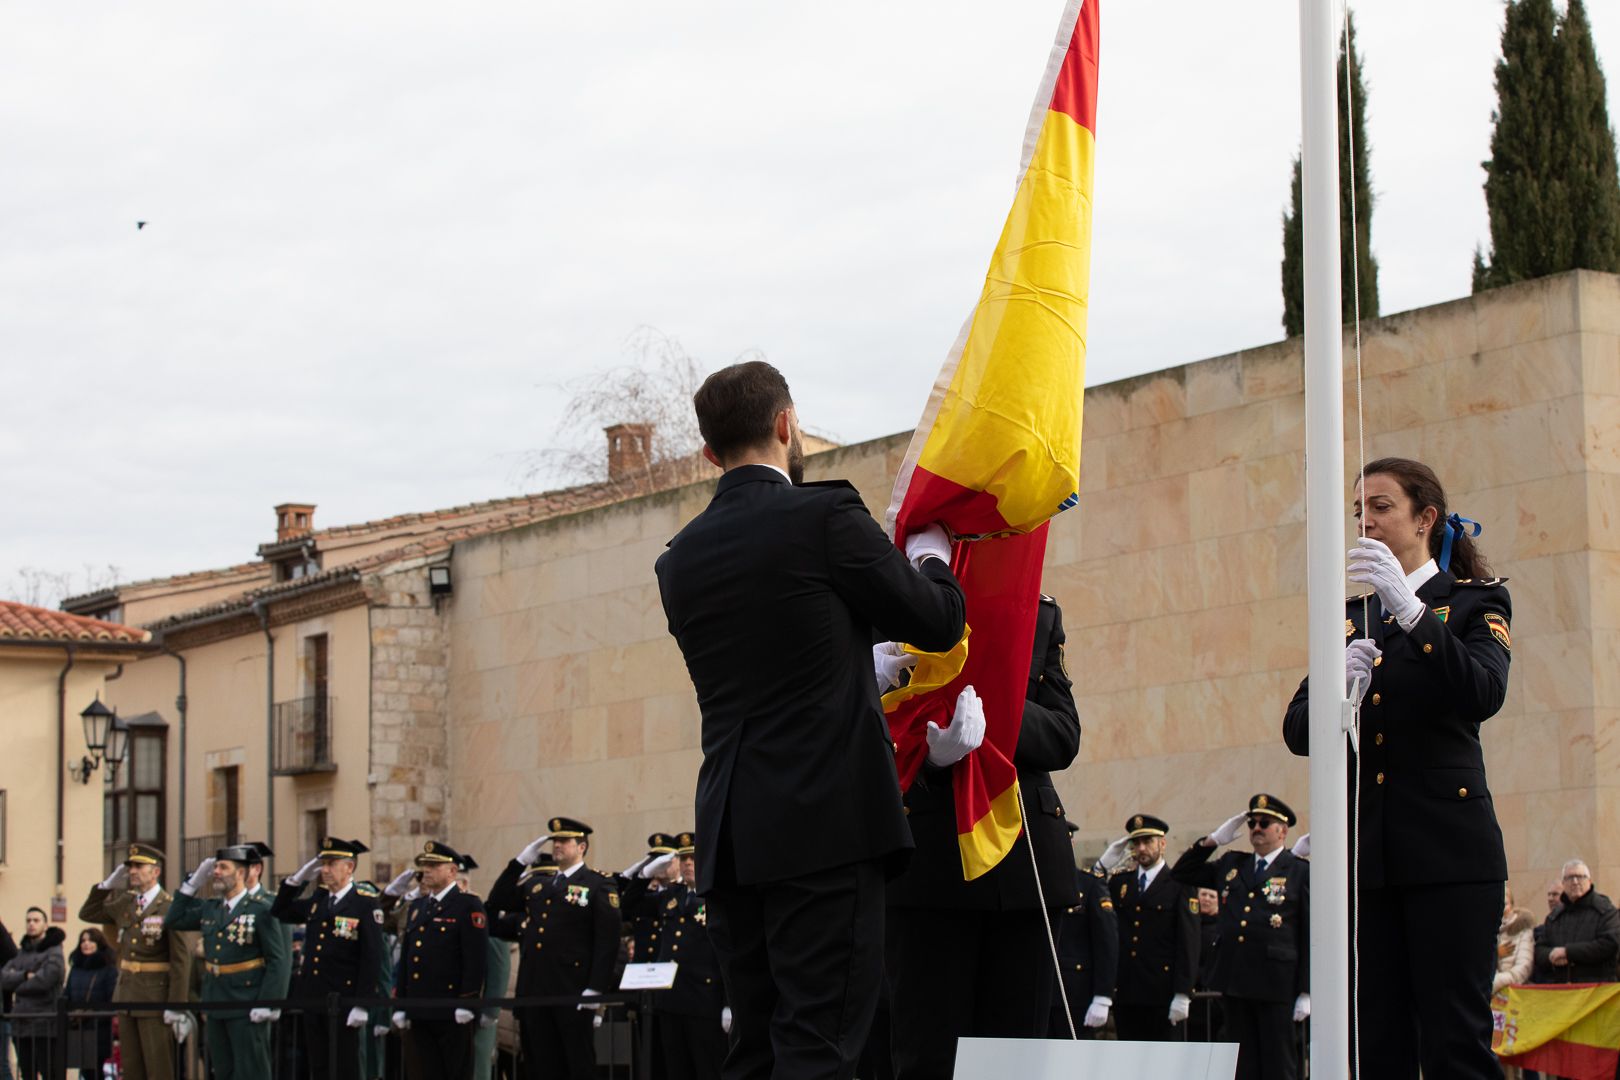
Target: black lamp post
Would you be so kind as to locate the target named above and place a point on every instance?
(105, 736)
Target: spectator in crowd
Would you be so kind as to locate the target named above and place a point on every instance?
(8, 949)
(91, 978)
(1515, 944)
(1580, 941)
(1555, 895)
(34, 979)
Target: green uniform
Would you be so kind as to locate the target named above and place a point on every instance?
(243, 961)
(496, 980)
(154, 964)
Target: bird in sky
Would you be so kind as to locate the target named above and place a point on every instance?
(139, 225)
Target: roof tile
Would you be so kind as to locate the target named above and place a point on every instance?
(24, 622)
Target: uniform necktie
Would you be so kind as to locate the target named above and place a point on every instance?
(140, 903)
(1259, 866)
(1141, 881)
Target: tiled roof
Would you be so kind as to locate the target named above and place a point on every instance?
(24, 622)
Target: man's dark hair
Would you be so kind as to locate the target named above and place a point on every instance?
(737, 407)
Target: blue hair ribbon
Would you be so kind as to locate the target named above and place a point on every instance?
(1456, 526)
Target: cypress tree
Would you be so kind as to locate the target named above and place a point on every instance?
(1354, 176)
(1550, 183)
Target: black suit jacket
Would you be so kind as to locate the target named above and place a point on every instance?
(1265, 933)
(775, 594)
(443, 951)
(699, 989)
(1048, 740)
(1422, 767)
(1088, 943)
(343, 942)
(1158, 938)
(581, 913)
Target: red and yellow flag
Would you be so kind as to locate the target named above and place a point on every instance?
(997, 453)
(1568, 1030)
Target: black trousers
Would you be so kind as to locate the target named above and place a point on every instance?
(956, 973)
(1424, 989)
(803, 964)
(318, 1041)
(558, 1043)
(36, 1055)
(694, 1047)
(1264, 1032)
(1144, 1023)
(435, 1050)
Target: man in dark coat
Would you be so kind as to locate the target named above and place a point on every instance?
(966, 957)
(1088, 957)
(775, 594)
(1579, 943)
(1262, 961)
(1158, 938)
(443, 953)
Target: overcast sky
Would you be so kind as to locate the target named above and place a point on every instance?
(381, 234)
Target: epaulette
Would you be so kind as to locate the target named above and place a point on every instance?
(367, 889)
(1481, 583)
(1096, 873)
(1047, 599)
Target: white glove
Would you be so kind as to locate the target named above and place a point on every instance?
(1302, 847)
(183, 1028)
(117, 879)
(657, 866)
(401, 1021)
(1180, 1006)
(357, 1017)
(634, 869)
(307, 872)
(1230, 829)
(171, 1017)
(531, 854)
(1097, 1012)
(588, 992)
(260, 1016)
(596, 1021)
(931, 542)
(379, 1030)
(725, 1019)
(1358, 664)
(399, 885)
(199, 877)
(947, 746)
(416, 890)
(1302, 1008)
(1114, 853)
(465, 1016)
(889, 659)
(1371, 563)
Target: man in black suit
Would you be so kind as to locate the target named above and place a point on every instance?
(443, 953)
(1262, 961)
(1158, 939)
(973, 957)
(775, 594)
(1088, 957)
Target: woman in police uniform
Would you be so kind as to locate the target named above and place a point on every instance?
(1430, 657)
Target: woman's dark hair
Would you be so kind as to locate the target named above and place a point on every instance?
(737, 406)
(1423, 488)
(94, 935)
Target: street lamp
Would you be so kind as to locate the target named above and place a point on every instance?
(107, 739)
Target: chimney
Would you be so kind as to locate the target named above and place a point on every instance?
(294, 520)
(629, 450)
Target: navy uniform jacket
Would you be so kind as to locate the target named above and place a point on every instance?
(1158, 938)
(642, 907)
(1422, 768)
(698, 989)
(343, 942)
(1048, 740)
(1265, 936)
(1088, 943)
(444, 951)
(567, 929)
(775, 594)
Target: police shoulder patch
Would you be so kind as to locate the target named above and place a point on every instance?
(613, 898)
(1192, 904)
(1498, 627)
(479, 921)
(376, 913)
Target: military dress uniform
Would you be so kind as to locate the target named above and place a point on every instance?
(1427, 918)
(154, 964)
(1158, 944)
(689, 1025)
(1262, 961)
(444, 953)
(343, 949)
(245, 959)
(1088, 953)
(566, 925)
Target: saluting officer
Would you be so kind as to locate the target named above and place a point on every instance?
(1158, 938)
(1088, 955)
(1262, 960)
(246, 959)
(567, 928)
(640, 895)
(343, 949)
(154, 964)
(692, 1017)
(444, 953)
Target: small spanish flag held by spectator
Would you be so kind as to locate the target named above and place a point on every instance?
(997, 453)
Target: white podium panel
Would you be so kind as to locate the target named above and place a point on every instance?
(1062, 1059)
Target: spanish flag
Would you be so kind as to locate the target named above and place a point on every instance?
(1563, 1029)
(997, 452)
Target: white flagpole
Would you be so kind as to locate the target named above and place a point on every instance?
(1325, 543)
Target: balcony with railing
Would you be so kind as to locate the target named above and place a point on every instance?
(199, 848)
(304, 736)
